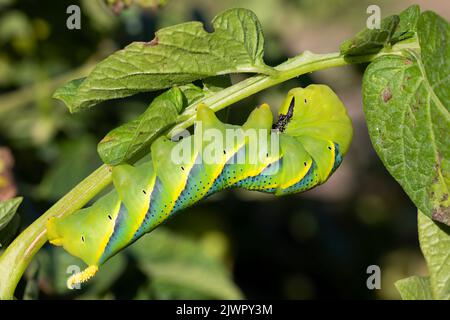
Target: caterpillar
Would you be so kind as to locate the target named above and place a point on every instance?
(296, 153)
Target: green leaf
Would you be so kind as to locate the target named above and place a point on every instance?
(8, 233)
(177, 55)
(407, 126)
(211, 85)
(122, 143)
(407, 26)
(392, 30)
(415, 288)
(371, 41)
(193, 94)
(434, 239)
(68, 92)
(406, 103)
(181, 269)
(434, 39)
(8, 209)
(134, 138)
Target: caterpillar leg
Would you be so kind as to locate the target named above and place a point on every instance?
(82, 276)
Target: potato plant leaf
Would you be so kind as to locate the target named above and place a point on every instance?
(9, 221)
(121, 143)
(407, 26)
(392, 29)
(415, 288)
(371, 41)
(177, 55)
(68, 92)
(8, 209)
(132, 138)
(406, 103)
(434, 238)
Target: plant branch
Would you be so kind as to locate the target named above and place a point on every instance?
(18, 255)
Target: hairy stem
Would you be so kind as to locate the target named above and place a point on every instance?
(18, 255)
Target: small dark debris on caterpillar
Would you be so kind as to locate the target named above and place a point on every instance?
(284, 119)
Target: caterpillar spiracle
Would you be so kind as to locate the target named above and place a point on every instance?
(313, 132)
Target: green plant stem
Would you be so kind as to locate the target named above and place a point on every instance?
(18, 255)
(304, 63)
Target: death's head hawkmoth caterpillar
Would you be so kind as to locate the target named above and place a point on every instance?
(313, 132)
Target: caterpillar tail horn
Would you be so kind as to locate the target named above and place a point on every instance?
(82, 276)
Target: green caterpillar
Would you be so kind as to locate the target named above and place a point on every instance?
(313, 132)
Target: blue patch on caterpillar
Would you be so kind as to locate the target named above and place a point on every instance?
(267, 176)
(117, 233)
(337, 158)
(307, 182)
(228, 171)
(153, 210)
(194, 190)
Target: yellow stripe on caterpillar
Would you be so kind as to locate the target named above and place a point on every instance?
(311, 123)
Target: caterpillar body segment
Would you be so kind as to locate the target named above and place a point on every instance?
(300, 151)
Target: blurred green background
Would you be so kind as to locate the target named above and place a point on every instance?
(235, 244)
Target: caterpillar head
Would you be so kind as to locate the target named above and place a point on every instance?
(316, 117)
(316, 111)
(84, 234)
